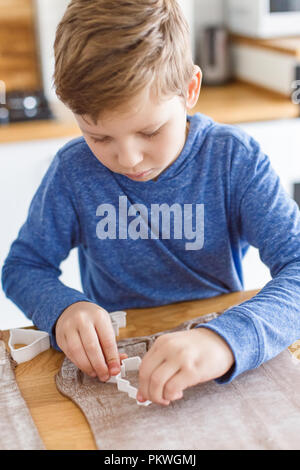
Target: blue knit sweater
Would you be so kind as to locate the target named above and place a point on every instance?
(181, 237)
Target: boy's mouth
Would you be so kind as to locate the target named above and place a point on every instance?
(139, 175)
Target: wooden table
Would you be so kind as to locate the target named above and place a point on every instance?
(60, 422)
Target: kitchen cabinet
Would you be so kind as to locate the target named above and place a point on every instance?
(19, 65)
(23, 164)
(280, 140)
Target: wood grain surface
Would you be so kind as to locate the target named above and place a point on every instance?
(60, 422)
(285, 45)
(238, 102)
(36, 130)
(19, 63)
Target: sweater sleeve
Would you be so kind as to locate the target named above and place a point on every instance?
(31, 270)
(267, 218)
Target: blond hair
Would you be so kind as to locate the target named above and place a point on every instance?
(107, 52)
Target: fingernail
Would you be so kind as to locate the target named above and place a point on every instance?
(115, 370)
(104, 378)
(140, 397)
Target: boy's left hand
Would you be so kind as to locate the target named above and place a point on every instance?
(180, 360)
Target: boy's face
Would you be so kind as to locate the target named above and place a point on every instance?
(148, 138)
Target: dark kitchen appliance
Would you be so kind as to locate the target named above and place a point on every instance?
(263, 18)
(24, 106)
(214, 55)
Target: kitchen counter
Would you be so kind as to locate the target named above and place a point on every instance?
(239, 102)
(233, 103)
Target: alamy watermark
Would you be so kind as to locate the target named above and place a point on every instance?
(296, 93)
(2, 92)
(145, 225)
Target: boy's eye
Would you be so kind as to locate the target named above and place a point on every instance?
(106, 139)
(153, 134)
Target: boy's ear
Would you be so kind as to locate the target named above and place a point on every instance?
(194, 88)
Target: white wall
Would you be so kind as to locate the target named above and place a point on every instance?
(188, 8)
(279, 139)
(48, 15)
(22, 166)
(208, 12)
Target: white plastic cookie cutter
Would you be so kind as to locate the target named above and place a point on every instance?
(118, 320)
(131, 363)
(37, 341)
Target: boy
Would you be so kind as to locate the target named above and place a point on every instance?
(125, 70)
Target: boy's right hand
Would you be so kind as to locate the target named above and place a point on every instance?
(84, 332)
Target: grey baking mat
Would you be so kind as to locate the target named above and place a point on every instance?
(259, 410)
(17, 429)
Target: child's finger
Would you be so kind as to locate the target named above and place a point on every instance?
(94, 351)
(173, 389)
(108, 343)
(162, 374)
(151, 361)
(76, 353)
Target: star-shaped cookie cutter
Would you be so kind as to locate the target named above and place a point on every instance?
(131, 363)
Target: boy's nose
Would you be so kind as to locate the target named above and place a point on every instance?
(130, 159)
